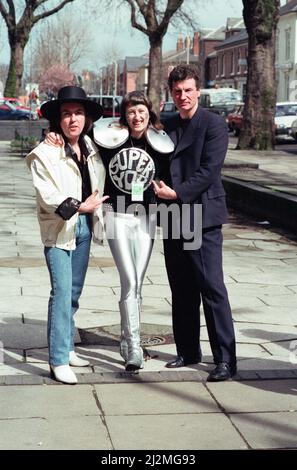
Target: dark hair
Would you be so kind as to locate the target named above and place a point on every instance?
(183, 72)
(138, 97)
(55, 124)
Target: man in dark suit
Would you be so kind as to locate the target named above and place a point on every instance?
(194, 177)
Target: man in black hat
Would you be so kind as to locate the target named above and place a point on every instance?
(69, 183)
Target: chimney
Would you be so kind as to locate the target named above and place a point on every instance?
(179, 44)
(187, 42)
(196, 44)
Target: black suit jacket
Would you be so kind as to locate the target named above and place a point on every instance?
(196, 163)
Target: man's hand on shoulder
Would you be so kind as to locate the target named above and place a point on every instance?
(163, 191)
(54, 140)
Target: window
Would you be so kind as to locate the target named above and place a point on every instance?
(287, 86)
(238, 60)
(286, 110)
(288, 43)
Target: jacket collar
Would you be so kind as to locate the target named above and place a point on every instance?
(86, 147)
(190, 133)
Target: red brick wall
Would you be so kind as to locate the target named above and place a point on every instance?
(131, 81)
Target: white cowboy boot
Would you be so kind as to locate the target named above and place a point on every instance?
(76, 361)
(63, 374)
(129, 311)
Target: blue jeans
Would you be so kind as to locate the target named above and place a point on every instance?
(67, 271)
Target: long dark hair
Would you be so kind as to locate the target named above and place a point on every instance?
(55, 124)
(138, 97)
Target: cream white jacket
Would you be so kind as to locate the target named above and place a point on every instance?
(56, 177)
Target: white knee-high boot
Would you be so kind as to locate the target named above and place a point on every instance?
(123, 341)
(130, 327)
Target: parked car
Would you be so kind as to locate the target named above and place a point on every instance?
(294, 130)
(285, 115)
(168, 109)
(220, 100)
(235, 120)
(17, 103)
(110, 104)
(9, 112)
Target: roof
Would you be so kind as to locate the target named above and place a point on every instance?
(240, 37)
(133, 63)
(290, 7)
(234, 23)
(121, 64)
(212, 54)
(179, 55)
(213, 34)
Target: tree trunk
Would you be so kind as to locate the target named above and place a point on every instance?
(18, 35)
(155, 72)
(260, 18)
(16, 66)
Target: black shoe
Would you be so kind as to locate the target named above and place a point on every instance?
(180, 361)
(223, 371)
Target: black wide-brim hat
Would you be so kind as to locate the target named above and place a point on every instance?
(71, 94)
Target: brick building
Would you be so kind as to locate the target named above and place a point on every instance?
(227, 65)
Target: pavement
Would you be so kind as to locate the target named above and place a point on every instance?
(110, 409)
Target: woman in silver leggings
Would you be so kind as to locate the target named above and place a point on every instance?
(130, 239)
(133, 151)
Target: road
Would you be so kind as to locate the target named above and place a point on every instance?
(288, 145)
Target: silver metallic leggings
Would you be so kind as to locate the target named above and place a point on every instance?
(131, 242)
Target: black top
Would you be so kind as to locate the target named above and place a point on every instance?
(113, 191)
(82, 166)
(71, 205)
(183, 124)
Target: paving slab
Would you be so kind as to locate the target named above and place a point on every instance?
(23, 304)
(281, 301)
(249, 333)
(282, 348)
(87, 433)
(268, 430)
(268, 277)
(156, 399)
(23, 336)
(48, 402)
(21, 369)
(255, 396)
(266, 315)
(262, 290)
(12, 356)
(174, 432)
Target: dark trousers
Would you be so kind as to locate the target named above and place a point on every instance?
(196, 275)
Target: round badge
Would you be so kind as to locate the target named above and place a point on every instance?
(129, 166)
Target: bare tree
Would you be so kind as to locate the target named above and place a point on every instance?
(153, 20)
(55, 77)
(63, 40)
(3, 76)
(260, 17)
(109, 54)
(19, 32)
